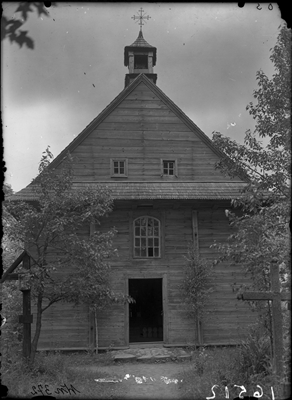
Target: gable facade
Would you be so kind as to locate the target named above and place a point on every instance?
(167, 195)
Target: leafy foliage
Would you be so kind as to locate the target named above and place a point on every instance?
(11, 331)
(254, 354)
(196, 284)
(10, 28)
(261, 231)
(67, 262)
(261, 220)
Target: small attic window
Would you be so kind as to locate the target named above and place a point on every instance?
(169, 168)
(119, 167)
(140, 61)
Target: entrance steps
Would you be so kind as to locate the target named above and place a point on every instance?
(151, 354)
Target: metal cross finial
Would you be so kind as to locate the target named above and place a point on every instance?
(142, 17)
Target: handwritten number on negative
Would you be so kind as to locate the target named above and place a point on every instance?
(270, 7)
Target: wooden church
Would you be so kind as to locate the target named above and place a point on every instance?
(167, 195)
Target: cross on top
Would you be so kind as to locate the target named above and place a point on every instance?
(142, 17)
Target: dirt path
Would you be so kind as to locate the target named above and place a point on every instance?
(141, 380)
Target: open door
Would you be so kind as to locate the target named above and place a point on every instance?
(146, 315)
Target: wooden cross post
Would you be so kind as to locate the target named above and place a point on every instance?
(276, 297)
(26, 318)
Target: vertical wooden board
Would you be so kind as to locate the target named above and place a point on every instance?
(195, 230)
(165, 309)
(126, 311)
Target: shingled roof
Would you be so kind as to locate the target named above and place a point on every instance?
(132, 190)
(140, 43)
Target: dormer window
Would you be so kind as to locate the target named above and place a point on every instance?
(119, 167)
(168, 168)
(141, 61)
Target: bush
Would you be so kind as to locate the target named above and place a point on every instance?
(201, 360)
(52, 365)
(254, 355)
(196, 288)
(11, 332)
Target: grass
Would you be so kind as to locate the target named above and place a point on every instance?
(54, 373)
(247, 365)
(224, 367)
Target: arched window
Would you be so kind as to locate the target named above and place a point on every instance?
(146, 237)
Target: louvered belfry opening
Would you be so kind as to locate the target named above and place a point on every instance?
(146, 314)
(140, 57)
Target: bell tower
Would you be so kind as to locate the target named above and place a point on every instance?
(140, 56)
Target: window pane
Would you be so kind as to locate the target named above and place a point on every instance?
(143, 252)
(150, 242)
(143, 221)
(137, 252)
(143, 242)
(137, 222)
(116, 170)
(156, 242)
(122, 170)
(150, 252)
(150, 231)
(168, 167)
(156, 252)
(143, 231)
(137, 242)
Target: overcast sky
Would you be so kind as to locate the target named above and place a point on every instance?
(207, 58)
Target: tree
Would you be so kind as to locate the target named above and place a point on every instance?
(10, 28)
(65, 266)
(261, 229)
(11, 332)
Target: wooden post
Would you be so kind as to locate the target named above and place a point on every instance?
(26, 319)
(197, 249)
(276, 297)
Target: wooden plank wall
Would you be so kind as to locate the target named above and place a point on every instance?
(68, 327)
(143, 129)
(226, 315)
(63, 327)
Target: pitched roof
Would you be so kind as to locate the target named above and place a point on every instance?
(160, 94)
(132, 190)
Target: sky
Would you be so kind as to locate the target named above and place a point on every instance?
(207, 58)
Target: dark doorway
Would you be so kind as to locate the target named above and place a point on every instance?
(146, 315)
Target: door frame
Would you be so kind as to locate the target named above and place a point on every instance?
(164, 302)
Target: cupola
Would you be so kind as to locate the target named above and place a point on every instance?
(140, 57)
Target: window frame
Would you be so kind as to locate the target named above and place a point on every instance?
(175, 169)
(115, 175)
(160, 249)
